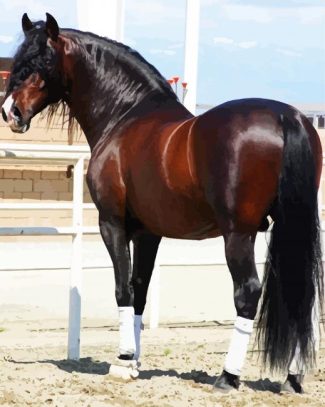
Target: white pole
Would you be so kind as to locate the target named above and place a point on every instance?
(120, 12)
(76, 264)
(191, 52)
(154, 297)
(102, 17)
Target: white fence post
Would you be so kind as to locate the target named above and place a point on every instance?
(191, 52)
(76, 264)
(109, 22)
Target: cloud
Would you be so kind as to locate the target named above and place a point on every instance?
(288, 52)
(266, 3)
(247, 44)
(6, 39)
(176, 45)
(35, 7)
(12, 10)
(239, 12)
(223, 40)
(247, 13)
(267, 11)
(168, 52)
(311, 15)
(148, 12)
(208, 23)
(232, 43)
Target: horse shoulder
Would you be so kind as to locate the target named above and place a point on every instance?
(105, 179)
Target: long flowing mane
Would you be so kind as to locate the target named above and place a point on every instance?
(134, 77)
(109, 56)
(105, 53)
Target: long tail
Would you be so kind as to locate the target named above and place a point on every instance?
(293, 279)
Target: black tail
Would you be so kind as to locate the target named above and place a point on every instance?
(293, 278)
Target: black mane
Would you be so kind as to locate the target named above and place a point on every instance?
(107, 54)
(120, 77)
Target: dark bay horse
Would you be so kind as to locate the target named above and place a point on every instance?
(156, 170)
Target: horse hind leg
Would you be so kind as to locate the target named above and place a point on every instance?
(239, 249)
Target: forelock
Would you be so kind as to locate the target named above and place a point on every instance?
(29, 56)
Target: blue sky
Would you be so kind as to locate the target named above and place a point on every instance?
(261, 48)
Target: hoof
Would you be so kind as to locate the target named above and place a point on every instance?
(226, 382)
(292, 384)
(125, 370)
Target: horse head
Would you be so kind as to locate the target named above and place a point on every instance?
(36, 78)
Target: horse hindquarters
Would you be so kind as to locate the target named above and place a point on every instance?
(290, 169)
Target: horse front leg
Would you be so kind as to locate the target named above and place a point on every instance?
(114, 236)
(144, 255)
(239, 248)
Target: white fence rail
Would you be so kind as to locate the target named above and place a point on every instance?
(28, 154)
(13, 154)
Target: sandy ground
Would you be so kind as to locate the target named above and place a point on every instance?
(179, 366)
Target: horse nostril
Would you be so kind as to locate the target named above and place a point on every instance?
(4, 116)
(16, 113)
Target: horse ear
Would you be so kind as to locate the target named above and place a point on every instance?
(51, 27)
(26, 23)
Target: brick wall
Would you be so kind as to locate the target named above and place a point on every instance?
(26, 183)
(20, 185)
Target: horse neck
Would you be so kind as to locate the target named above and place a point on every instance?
(100, 104)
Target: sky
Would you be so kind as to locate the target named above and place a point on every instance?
(248, 48)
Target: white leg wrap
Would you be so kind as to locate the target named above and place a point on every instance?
(296, 365)
(127, 340)
(238, 346)
(138, 326)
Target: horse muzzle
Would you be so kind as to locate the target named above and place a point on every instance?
(12, 115)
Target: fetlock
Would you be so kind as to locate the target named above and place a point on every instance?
(227, 382)
(293, 384)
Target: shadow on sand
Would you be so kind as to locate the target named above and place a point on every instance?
(263, 385)
(89, 366)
